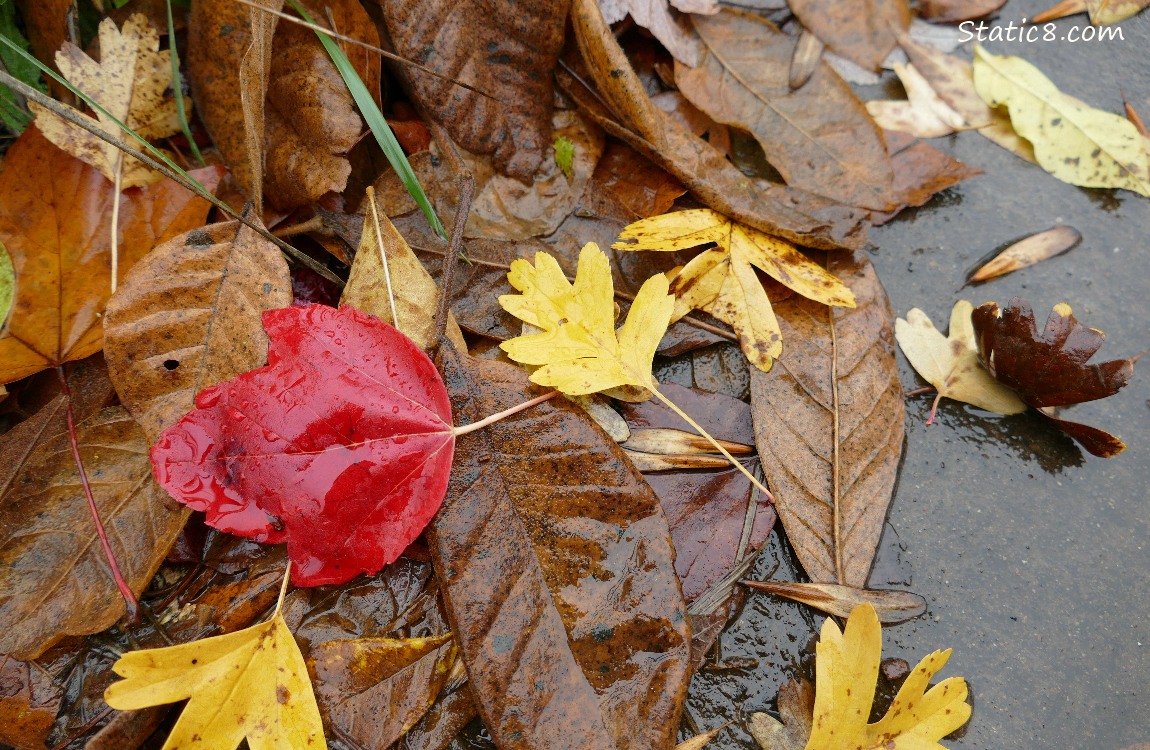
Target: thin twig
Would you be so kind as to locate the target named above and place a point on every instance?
(76, 118)
(462, 209)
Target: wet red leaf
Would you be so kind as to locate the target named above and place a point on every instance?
(1050, 370)
(340, 447)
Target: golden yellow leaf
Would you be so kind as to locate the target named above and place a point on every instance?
(950, 363)
(723, 282)
(1072, 141)
(579, 351)
(252, 683)
(130, 82)
(846, 673)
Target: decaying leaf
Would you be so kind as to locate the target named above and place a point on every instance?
(673, 31)
(924, 114)
(579, 351)
(862, 31)
(796, 703)
(341, 446)
(956, 11)
(723, 281)
(189, 316)
(7, 284)
(507, 51)
(1050, 369)
(1026, 252)
(249, 684)
(54, 578)
(1102, 12)
(846, 674)
(130, 81)
(950, 363)
(1072, 141)
(59, 248)
(819, 137)
(892, 606)
(558, 580)
(920, 172)
(829, 425)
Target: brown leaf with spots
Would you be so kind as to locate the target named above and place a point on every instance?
(863, 31)
(54, 219)
(829, 425)
(54, 579)
(189, 316)
(508, 51)
(558, 579)
(1050, 369)
(819, 137)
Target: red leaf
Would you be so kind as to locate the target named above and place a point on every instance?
(340, 447)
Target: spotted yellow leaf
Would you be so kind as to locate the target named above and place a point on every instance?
(846, 673)
(252, 683)
(722, 281)
(1072, 141)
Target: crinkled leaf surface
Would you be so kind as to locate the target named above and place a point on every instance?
(950, 363)
(340, 447)
(1050, 369)
(846, 673)
(579, 350)
(723, 282)
(252, 683)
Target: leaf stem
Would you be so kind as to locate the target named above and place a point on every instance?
(125, 591)
(457, 431)
(933, 409)
(686, 417)
(116, 185)
(383, 256)
(283, 590)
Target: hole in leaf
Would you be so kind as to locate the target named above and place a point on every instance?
(171, 364)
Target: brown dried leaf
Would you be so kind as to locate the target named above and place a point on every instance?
(534, 567)
(189, 316)
(506, 50)
(863, 31)
(29, 701)
(54, 578)
(819, 137)
(700, 167)
(956, 11)
(920, 172)
(59, 248)
(797, 706)
(829, 426)
(47, 26)
(1035, 248)
(443, 721)
(672, 30)
(892, 606)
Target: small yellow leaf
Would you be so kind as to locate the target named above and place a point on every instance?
(722, 281)
(579, 351)
(130, 81)
(252, 683)
(1072, 141)
(846, 673)
(951, 363)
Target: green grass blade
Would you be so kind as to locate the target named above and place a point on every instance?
(178, 89)
(158, 154)
(378, 124)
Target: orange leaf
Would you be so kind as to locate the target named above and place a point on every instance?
(54, 214)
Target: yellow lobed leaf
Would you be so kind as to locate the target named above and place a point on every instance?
(1072, 141)
(950, 363)
(130, 81)
(846, 673)
(252, 683)
(743, 305)
(579, 351)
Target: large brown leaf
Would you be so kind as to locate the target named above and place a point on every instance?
(829, 425)
(55, 214)
(47, 26)
(864, 31)
(819, 137)
(189, 316)
(507, 50)
(54, 579)
(558, 578)
(633, 118)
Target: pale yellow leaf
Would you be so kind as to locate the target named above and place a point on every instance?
(950, 363)
(846, 673)
(1072, 141)
(579, 351)
(924, 114)
(130, 81)
(252, 683)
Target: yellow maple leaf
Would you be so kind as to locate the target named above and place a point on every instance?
(130, 82)
(722, 281)
(950, 363)
(252, 683)
(846, 673)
